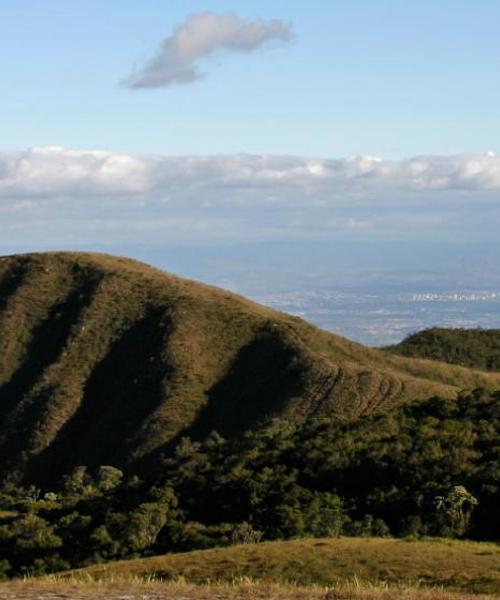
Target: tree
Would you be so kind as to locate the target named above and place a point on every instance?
(78, 483)
(457, 507)
(108, 478)
(144, 524)
(244, 533)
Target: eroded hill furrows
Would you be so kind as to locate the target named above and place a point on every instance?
(322, 393)
(351, 393)
(378, 390)
(335, 401)
(395, 390)
(376, 397)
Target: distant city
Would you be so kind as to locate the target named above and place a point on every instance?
(374, 293)
(385, 319)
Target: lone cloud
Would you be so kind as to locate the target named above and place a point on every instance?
(201, 35)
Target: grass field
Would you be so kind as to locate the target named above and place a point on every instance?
(123, 589)
(464, 566)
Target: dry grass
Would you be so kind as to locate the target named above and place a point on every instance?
(51, 588)
(465, 566)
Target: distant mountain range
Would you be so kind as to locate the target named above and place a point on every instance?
(105, 360)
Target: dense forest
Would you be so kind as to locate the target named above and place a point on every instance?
(473, 348)
(430, 468)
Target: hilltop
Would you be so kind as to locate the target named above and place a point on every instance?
(105, 360)
(473, 348)
(468, 566)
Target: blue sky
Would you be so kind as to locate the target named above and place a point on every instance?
(390, 78)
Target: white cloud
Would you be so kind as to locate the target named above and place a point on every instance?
(91, 194)
(52, 171)
(55, 171)
(200, 36)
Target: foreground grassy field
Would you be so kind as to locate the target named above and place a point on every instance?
(464, 566)
(53, 589)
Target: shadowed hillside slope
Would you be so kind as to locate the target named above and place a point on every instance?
(473, 348)
(105, 360)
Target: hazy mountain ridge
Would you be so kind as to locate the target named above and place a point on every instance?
(105, 360)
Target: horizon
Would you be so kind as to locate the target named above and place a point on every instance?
(376, 293)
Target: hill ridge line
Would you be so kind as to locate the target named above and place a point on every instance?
(138, 357)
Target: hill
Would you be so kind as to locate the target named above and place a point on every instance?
(467, 566)
(105, 360)
(473, 348)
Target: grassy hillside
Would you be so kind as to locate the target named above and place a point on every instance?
(474, 348)
(105, 360)
(466, 566)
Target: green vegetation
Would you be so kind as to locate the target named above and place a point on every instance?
(426, 469)
(107, 361)
(474, 348)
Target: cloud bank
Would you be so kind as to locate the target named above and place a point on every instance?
(200, 36)
(74, 195)
(53, 170)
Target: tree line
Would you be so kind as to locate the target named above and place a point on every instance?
(424, 469)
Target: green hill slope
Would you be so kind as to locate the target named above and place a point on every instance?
(474, 348)
(105, 360)
(462, 565)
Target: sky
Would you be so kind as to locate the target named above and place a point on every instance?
(128, 125)
(387, 78)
